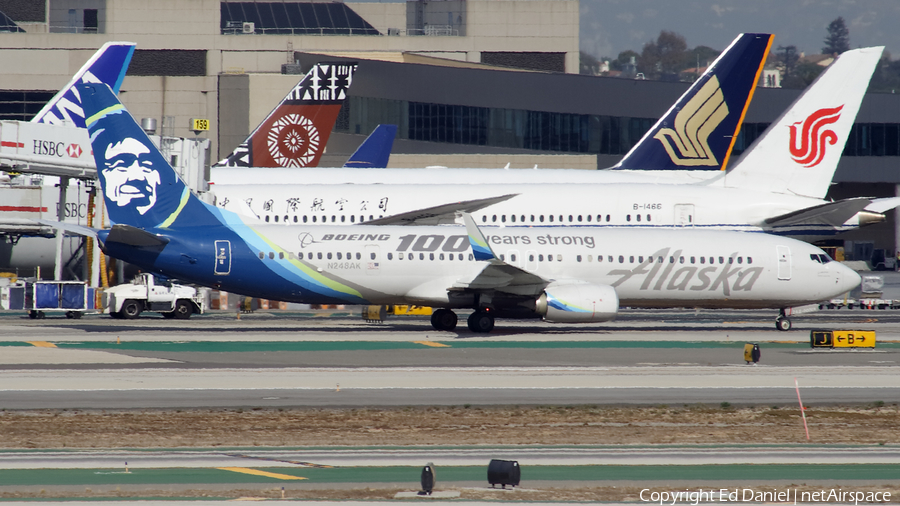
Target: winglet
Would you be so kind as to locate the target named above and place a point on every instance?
(107, 66)
(480, 246)
(375, 151)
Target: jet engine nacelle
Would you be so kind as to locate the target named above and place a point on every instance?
(578, 303)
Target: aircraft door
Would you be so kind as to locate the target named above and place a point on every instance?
(784, 262)
(372, 259)
(684, 215)
(223, 258)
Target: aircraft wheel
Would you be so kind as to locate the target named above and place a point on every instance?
(183, 309)
(131, 309)
(444, 319)
(783, 324)
(32, 314)
(481, 322)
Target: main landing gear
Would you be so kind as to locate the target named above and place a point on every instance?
(481, 321)
(443, 319)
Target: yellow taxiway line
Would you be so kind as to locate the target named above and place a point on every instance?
(432, 344)
(41, 344)
(257, 472)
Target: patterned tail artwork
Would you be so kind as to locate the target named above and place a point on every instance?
(295, 133)
(699, 131)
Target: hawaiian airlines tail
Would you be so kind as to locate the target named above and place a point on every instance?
(375, 151)
(698, 132)
(108, 66)
(800, 151)
(294, 134)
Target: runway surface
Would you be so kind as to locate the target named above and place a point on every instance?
(280, 360)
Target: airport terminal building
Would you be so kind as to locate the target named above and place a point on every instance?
(469, 82)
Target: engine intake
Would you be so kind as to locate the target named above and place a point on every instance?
(578, 303)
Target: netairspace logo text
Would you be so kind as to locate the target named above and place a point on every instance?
(790, 495)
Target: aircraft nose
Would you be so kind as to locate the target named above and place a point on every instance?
(848, 278)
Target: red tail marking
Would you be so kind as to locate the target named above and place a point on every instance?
(813, 137)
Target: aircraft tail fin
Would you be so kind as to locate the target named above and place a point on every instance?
(375, 151)
(294, 134)
(139, 186)
(698, 132)
(107, 66)
(800, 151)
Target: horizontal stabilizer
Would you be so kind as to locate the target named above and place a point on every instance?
(831, 213)
(884, 204)
(439, 215)
(136, 237)
(70, 228)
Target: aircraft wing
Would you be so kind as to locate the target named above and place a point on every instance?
(830, 213)
(883, 204)
(497, 274)
(439, 215)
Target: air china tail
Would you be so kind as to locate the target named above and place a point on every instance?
(295, 133)
(800, 151)
(107, 66)
(698, 132)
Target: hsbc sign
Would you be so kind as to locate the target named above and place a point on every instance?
(48, 148)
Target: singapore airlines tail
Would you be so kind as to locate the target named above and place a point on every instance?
(800, 151)
(108, 66)
(294, 134)
(698, 132)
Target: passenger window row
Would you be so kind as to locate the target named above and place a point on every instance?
(680, 259)
(550, 218)
(319, 219)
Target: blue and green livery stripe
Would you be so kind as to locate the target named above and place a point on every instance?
(480, 248)
(104, 112)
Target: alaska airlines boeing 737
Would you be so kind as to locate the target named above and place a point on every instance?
(562, 275)
(779, 186)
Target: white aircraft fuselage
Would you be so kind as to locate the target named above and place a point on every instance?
(612, 205)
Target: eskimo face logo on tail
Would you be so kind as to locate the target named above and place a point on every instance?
(130, 177)
(293, 141)
(809, 149)
(687, 143)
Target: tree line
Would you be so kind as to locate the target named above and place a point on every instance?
(668, 58)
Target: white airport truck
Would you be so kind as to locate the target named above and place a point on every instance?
(129, 300)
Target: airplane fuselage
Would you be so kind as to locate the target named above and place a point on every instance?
(614, 205)
(435, 266)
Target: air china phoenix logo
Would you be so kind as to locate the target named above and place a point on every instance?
(809, 149)
(687, 143)
(293, 141)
